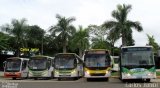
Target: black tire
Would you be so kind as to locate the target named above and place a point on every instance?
(88, 79)
(147, 80)
(35, 78)
(123, 80)
(107, 79)
(75, 78)
(14, 78)
(59, 79)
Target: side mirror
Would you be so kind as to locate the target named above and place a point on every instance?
(4, 64)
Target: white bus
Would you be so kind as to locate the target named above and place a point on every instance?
(68, 65)
(41, 67)
(137, 62)
(16, 67)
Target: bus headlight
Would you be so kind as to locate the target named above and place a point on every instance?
(74, 71)
(106, 72)
(128, 74)
(87, 72)
(56, 72)
(150, 74)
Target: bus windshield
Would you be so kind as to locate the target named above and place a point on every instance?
(13, 65)
(96, 60)
(38, 64)
(64, 62)
(137, 58)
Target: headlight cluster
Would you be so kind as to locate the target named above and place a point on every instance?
(127, 75)
(150, 74)
(74, 71)
(87, 72)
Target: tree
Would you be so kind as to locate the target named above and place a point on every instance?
(64, 30)
(98, 37)
(121, 26)
(151, 41)
(4, 44)
(35, 37)
(17, 29)
(80, 40)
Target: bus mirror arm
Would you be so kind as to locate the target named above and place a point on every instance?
(4, 64)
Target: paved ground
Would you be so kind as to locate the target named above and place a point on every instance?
(81, 83)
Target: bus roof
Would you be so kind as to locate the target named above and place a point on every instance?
(18, 58)
(66, 53)
(41, 56)
(135, 46)
(97, 50)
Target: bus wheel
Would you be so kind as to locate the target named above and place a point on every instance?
(88, 79)
(14, 78)
(123, 80)
(75, 78)
(59, 79)
(35, 78)
(147, 80)
(107, 79)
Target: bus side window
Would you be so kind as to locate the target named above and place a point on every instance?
(24, 65)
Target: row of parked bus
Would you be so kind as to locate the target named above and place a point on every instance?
(95, 63)
(135, 63)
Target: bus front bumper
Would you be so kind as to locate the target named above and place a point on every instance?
(97, 75)
(12, 74)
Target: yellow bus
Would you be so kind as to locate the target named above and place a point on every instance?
(97, 64)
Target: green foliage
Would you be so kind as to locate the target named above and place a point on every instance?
(121, 26)
(80, 40)
(63, 30)
(151, 41)
(98, 37)
(17, 29)
(4, 41)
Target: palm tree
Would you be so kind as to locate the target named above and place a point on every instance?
(4, 44)
(121, 26)
(98, 37)
(17, 29)
(151, 41)
(80, 40)
(35, 36)
(64, 29)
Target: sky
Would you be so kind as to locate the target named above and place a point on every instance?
(86, 12)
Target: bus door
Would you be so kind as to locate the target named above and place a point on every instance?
(24, 68)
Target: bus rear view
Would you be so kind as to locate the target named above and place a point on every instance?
(137, 63)
(97, 64)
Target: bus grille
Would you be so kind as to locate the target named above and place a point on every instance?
(98, 74)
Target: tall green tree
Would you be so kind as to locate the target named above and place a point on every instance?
(4, 44)
(80, 40)
(17, 29)
(121, 26)
(151, 41)
(64, 30)
(98, 37)
(35, 37)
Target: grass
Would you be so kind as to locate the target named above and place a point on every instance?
(115, 74)
(158, 73)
